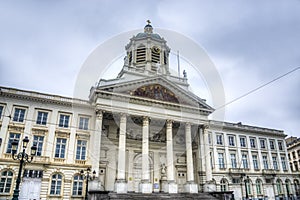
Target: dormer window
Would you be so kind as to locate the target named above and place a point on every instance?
(141, 54)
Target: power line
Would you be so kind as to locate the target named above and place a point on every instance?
(255, 89)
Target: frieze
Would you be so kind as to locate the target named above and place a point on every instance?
(62, 134)
(16, 128)
(157, 92)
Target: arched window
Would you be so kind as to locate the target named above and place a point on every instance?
(223, 185)
(259, 187)
(297, 188)
(279, 186)
(288, 187)
(6, 181)
(56, 184)
(77, 185)
(249, 186)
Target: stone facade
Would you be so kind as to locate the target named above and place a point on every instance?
(142, 132)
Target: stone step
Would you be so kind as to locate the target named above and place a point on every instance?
(156, 196)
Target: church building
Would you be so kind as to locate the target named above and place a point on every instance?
(142, 132)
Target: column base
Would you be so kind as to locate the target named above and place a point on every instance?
(145, 187)
(95, 185)
(120, 186)
(209, 186)
(191, 187)
(163, 185)
(172, 187)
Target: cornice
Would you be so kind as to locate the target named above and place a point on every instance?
(42, 97)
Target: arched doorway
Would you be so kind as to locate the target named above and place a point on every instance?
(137, 171)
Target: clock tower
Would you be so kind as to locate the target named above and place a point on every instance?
(147, 54)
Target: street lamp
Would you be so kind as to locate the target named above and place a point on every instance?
(24, 158)
(88, 178)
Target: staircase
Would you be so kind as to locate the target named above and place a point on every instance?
(156, 196)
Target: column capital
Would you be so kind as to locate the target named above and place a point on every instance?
(146, 120)
(99, 114)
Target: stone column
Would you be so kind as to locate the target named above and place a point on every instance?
(190, 186)
(172, 186)
(145, 186)
(120, 184)
(96, 148)
(209, 185)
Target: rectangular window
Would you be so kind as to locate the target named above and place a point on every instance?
(245, 161)
(64, 120)
(275, 164)
(233, 160)
(243, 141)
(211, 160)
(42, 118)
(60, 148)
(38, 142)
(83, 123)
(209, 138)
(219, 139)
(231, 141)
(19, 115)
(12, 137)
(280, 147)
(1, 111)
(272, 146)
(262, 143)
(252, 143)
(255, 161)
(81, 150)
(283, 163)
(265, 162)
(221, 161)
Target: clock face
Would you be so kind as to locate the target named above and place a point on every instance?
(155, 49)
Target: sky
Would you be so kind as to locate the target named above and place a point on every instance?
(43, 45)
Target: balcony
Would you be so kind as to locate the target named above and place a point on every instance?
(42, 159)
(238, 172)
(269, 173)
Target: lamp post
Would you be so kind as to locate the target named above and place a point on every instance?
(24, 158)
(87, 177)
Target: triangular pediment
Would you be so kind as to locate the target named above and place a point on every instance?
(157, 88)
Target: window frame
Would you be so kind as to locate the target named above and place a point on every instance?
(245, 161)
(219, 139)
(42, 121)
(262, 145)
(61, 145)
(39, 144)
(76, 189)
(2, 110)
(221, 160)
(17, 118)
(56, 190)
(255, 162)
(244, 142)
(253, 144)
(283, 163)
(233, 160)
(265, 161)
(10, 140)
(275, 162)
(82, 126)
(61, 122)
(272, 147)
(231, 140)
(79, 149)
(7, 181)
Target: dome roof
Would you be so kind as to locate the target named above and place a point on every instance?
(144, 35)
(148, 32)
